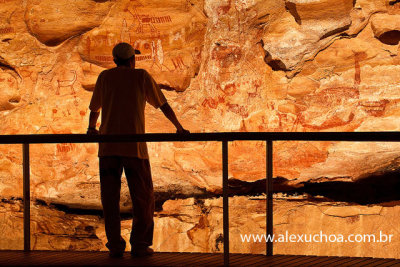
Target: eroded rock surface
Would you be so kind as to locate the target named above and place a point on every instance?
(387, 28)
(52, 22)
(193, 225)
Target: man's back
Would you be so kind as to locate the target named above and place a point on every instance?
(122, 93)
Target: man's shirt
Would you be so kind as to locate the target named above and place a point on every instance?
(121, 93)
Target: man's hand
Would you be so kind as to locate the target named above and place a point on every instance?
(92, 131)
(92, 122)
(182, 131)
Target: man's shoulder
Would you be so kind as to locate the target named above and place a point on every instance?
(146, 75)
(116, 70)
(142, 71)
(110, 73)
(105, 72)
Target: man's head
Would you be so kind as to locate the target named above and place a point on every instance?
(124, 55)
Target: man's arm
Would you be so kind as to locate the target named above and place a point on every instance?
(92, 122)
(170, 114)
(157, 99)
(95, 105)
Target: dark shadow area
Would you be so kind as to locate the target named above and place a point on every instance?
(69, 210)
(7, 66)
(377, 188)
(291, 7)
(335, 31)
(198, 193)
(374, 189)
(160, 198)
(243, 188)
(390, 37)
(275, 64)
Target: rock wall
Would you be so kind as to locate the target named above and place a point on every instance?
(193, 225)
(236, 65)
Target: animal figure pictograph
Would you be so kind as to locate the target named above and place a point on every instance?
(67, 83)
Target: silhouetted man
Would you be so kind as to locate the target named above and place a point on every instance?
(121, 93)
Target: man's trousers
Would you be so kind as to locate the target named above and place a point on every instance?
(138, 175)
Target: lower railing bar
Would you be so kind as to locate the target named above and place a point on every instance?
(26, 195)
(269, 190)
(225, 205)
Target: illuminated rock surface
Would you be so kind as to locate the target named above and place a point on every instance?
(196, 226)
(52, 22)
(248, 65)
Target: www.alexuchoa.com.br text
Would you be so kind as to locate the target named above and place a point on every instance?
(317, 238)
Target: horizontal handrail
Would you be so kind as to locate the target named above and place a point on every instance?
(388, 136)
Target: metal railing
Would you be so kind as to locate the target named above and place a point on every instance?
(268, 137)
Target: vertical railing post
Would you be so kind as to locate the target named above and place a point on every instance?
(225, 197)
(27, 197)
(269, 190)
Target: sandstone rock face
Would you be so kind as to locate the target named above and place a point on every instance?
(236, 65)
(310, 26)
(386, 28)
(191, 225)
(168, 34)
(52, 22)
